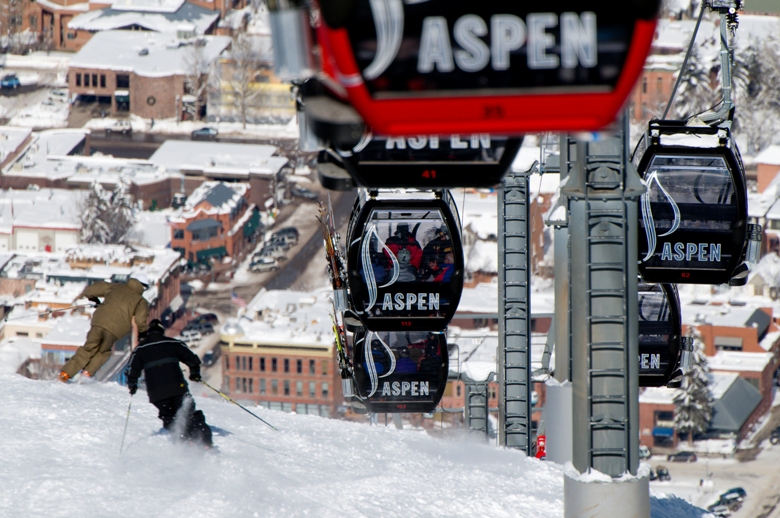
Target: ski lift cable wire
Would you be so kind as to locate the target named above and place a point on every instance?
(685, 61)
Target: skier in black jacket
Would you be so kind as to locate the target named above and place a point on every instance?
(159, 356)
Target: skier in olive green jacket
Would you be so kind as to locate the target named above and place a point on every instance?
(111, 321)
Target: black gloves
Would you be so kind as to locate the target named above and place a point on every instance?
(133, 388)
(94, 300)
(195, 376)
(142, 336)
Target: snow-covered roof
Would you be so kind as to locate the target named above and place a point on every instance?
(483, 298)
(770, 156)
(477, 349)
(284, 318)
(221, 198)
(738, 361)
(166, 56)
(720, 382)
(57, 142)
(45, 208)
(11, 139)
(68, 330)
(159, 6)
(105, 262)
(658, 396)
(121, 16)
(218, 158)
(152, 228)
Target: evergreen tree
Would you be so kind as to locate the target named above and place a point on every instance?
(107, 217)
(93, 228)
(756, 74)
(693, 403)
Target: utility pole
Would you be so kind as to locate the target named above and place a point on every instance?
(603, 191)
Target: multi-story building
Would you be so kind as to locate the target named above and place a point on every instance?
(281, 353)
(215, 222)
(141, 72)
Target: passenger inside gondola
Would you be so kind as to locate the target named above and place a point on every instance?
(403, 239)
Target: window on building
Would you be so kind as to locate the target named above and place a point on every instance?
(262, 364)
(299, 366)
(33, 21)
(227, 362)
(178, 234)
(243, 385)
(728, 343)
(286, 387)
(78, 79)
(457, 390)
(312, 367)
(238, 385)
(238, 363)
(312, 389)
(324, 390)
(492, 392)
(86, 79)
(262, 386)
(226, 383)
(102, 80)
(659, 85)
(324, 367)
(22, 333)
(273, 364)
(274, 387)
(94, 80)
(16, 20)
(286, 365)
(251, 389)
(644, 85)
(250, 364)
(299, 388)
(122, 81)
(71, 35)
(243, 363)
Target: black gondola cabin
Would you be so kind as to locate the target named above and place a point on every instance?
(400, 372)
(405, 260)
(693, 227)
(660, 327)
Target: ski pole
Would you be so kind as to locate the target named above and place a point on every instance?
(6, 319)
(239, 405)
(127, 420)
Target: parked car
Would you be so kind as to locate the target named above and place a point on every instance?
(204, 133)
(121, 126)
(644, 452)
(211, 357)
(264, 264)
(290, 238)
(681, 456)
(203, 328)
(287, 231)
(58, 95)
(662, 473)
(775, 438)
(211, 318)
(270, 253)
(10, 81)
(284, 240)
(740, 492)
(190, 338)
(302, 192)
(720, 510)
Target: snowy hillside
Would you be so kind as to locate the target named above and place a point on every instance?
(61, 458)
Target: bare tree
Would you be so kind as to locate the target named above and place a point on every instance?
(246, 66)
(11, 13)
(196, 80)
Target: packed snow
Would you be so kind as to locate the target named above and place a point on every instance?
(62, 458)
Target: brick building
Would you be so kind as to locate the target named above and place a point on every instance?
(215, 222)
(281, 354)
(198, 162)
(140, 72)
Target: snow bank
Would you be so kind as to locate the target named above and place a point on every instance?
(61, 458)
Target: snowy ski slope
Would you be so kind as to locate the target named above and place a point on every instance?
(60, 453)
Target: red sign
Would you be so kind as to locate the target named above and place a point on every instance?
(459, 66)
